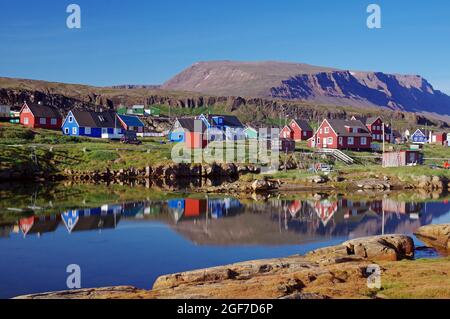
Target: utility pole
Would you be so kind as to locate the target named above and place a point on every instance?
(384, 138)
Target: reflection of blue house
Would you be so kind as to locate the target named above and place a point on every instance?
(419, 137)
(133, 209)
(92, 124)
(176, 207)
(219, 208)
(103, 217)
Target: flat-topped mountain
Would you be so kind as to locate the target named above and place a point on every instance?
(293, 81)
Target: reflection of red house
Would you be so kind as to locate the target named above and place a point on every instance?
(295, 207)
(40, 116)
(38, 225)
(195, 207)
(325, 210)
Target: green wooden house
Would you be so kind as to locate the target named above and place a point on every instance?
(251, 133)
(153, 111)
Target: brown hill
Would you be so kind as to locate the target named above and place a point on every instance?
(315, 84)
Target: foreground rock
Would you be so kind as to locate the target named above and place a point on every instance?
(437, 236)
(119, 292)
(338, 272)
(375, 248)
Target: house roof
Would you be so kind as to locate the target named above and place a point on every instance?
(131, 120)
(95, 119)
(422, 132)
(190, 124)
(303, 124)
(340, 127)
(365, 120)
(372, 119)
(228, 120)
(41, 110)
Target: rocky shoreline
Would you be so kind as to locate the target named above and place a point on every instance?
(339, 271)
(228, 178)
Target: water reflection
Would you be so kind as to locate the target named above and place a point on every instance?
(228, 221)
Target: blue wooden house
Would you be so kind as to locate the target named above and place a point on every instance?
(419, 137)
(228, 125)
(92, 124)
(177, 133)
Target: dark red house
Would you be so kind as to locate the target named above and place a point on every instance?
(439, 138)
(40, 116)
(375, 125)
(342, 134)
(298, 130)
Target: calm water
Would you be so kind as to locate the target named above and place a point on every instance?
(132, 242)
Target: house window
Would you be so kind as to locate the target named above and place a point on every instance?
(66, 130)
(70, 119)
(104, 130)
(318, 140)
(304, 133)
(43, 121)
(53, 121)
(25, 121)
(74, 130)
(87, 130)
(363, 140)
(350, 140)
(320, 131)
(327, 130)
(330, 140)
(340, 140)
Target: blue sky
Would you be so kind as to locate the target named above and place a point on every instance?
(147, 42)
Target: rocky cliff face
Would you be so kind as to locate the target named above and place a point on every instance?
(252, 110)
(397, 92)
(314, 84)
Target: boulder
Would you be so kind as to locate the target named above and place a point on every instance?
(376, 248)
(437, 236)
(317, 179)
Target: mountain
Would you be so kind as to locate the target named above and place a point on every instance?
(293, 81)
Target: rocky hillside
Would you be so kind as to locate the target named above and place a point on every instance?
(251, 110)
(320, 85)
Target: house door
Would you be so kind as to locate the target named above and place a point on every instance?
(325, 145)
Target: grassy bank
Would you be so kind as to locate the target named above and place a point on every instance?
(51, 151)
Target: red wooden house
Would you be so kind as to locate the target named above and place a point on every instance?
(194, 133)
(342, 134)
(438, 138)
(375, 125)
(40, 116)
(298, 130)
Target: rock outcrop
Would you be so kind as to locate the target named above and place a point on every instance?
(437, 236)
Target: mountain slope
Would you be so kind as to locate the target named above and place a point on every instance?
(322, 85)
